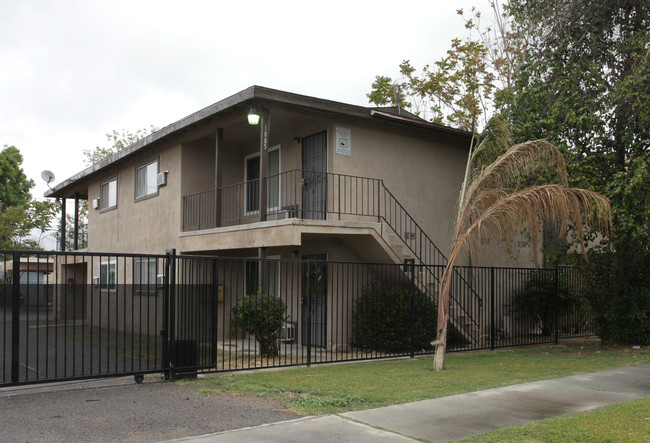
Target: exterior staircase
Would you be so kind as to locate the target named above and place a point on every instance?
(407, 240)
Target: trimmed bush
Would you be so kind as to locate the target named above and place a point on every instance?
(261, 315)
(382, 320)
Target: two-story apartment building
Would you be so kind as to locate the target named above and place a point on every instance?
(266, 173)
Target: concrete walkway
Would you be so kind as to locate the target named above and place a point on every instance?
(458, 416)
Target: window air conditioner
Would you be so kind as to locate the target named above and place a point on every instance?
(286, 212)
(288, 333)
(160, 280)
(96, 203)
(162, 178)
(95, 281)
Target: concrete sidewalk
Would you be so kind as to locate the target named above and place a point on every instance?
(458, 416)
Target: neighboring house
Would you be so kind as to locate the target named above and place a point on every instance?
(311, 178)
(36, 280)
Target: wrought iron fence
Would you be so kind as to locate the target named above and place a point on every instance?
(81, 315)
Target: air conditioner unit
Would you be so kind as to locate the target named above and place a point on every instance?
(95, 281)
(162, 178)
(286, 212)
(288, 333)
(160, 280)
(96, 203)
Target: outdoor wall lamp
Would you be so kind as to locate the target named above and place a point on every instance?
(253, 116)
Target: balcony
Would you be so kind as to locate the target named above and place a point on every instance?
(291, 194)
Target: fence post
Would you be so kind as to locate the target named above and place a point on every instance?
(409, 266)
(15, 319)
(557, 300)
(215, 310)
(167, 334)
(308, 313)
(492, 293)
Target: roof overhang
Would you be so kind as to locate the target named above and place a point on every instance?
(254, 94)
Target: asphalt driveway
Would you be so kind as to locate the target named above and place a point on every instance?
(120, 410)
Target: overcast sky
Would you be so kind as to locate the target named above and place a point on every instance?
(72, 71)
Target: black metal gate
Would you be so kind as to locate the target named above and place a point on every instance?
(66, 316)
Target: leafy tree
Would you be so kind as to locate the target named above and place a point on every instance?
(460, 89)
(119, 140)
(14, 184)
(453, 91)
(584, 84)
(20, 215)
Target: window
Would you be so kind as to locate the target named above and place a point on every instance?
(108, 275)
(270, 279)
(146, 180)
(108, 195)
(144, 274)
(273, 183)
(252, 191)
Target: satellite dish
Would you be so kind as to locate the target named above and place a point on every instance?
(48, 176)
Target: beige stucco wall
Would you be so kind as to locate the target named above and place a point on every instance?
(422, 168)
(147, 226)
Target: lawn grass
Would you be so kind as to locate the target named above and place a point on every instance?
(629, 421)
(343, 387)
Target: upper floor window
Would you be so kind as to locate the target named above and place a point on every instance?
(146, 180)
(108, 195)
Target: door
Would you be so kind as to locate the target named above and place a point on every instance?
(252, 188)
(314, 176)
(314, 300)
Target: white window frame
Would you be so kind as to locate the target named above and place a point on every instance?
(108, 280)
(104, 201)
(150, 180)
(278, 188)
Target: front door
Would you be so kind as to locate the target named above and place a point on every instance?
(314, 176)
(314, 300)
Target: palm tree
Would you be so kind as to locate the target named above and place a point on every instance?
(504, 196)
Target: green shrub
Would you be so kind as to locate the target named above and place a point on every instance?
(382, 319)
(261, 315)
(538, 302)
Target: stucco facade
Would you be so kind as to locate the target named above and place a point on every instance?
(313, 178)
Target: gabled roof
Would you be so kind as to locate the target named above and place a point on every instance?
(251, 95)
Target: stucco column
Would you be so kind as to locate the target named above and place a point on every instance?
(218, 168)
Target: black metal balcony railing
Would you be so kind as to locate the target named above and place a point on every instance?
(314, 195)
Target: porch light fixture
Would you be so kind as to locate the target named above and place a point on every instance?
(253, 116)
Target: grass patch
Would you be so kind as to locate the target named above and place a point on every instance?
(339, 388)
(629, 421)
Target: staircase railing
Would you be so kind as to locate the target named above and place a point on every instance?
(319, 195)
(423, 249)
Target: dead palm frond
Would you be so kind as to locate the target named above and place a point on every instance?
(499, 201)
